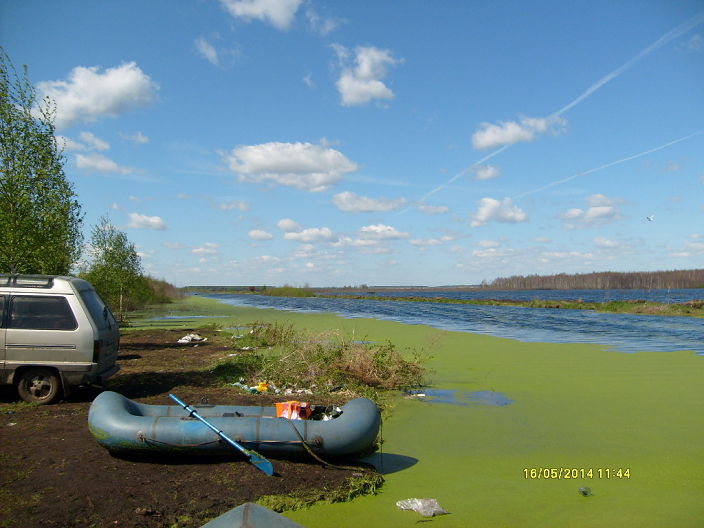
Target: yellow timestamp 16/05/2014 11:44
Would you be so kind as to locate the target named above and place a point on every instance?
(538, 473)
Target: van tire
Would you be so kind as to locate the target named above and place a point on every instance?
(39, 385)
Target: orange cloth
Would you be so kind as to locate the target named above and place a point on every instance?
(293, 410)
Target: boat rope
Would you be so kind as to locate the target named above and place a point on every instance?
(149, 441)
(316, 457)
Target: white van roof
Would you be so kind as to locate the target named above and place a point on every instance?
(48, 283)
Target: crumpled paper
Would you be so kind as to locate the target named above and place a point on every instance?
(426, 507)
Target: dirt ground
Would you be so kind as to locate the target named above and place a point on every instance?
(54, 474)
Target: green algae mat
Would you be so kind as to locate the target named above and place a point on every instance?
(559, 419)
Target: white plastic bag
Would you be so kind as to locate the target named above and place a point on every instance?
(426, 507)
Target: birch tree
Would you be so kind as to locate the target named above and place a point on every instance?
(40, 216)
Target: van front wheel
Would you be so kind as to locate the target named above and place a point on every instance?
(39, 385)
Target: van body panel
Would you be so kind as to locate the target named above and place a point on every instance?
(59, 323)
(3, 375)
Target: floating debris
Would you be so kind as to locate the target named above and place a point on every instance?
(454, 397)
(426, 507)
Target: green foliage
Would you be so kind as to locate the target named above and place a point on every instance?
(39, 213)
(278, 354)
(115, 270)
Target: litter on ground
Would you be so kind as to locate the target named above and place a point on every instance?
(191, 338)
(426, 507)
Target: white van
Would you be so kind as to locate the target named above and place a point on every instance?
(55, 333)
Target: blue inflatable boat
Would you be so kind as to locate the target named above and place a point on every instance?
(124, 426)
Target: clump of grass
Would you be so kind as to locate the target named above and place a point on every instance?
(320, 362)
(367, 484)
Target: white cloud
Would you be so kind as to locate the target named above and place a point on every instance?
(351, 202)
(265, 259)
(259, 234)
(321, 25)
(173, 245)
(68, 144)
(238, 205)
(492, 252)
(504, 212)
(89, 142)
(381, 232)
(487, 172)
(140, 221)
(490, 135)
(606, 243)
(362, 82)
(696, 44)
(601, 210)
(547, 256)
(93, 141)
(312, 234)
(346, 241)
(304, 251)
(207, 50)
(302, 165)
(279, 13)
(489, 243)
(424, 242)
(137, 137)
(88, 94)
(209, 248)
(288, 225)
(99, 163)
(433, 209)
(309, 82)
(692, 248)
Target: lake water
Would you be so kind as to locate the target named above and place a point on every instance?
(622, 332)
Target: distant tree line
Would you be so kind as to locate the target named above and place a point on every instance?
(606, 280)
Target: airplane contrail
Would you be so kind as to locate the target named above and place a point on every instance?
(664, 39)
(465, 171)
(606, 166)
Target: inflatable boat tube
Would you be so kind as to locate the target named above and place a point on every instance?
(124, 426)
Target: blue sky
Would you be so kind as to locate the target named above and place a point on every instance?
(383, 143)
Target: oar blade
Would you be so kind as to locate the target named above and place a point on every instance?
(260, 462)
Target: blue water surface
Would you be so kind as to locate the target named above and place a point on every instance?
(621, 332)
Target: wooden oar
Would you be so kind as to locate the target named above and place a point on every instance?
(255, 458)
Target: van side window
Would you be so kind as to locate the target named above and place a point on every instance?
(99, 311)
(2, 311)
(41, 313)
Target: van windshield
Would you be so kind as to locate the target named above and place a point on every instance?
(99, 311)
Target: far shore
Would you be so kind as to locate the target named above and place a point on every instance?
(693, 308)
